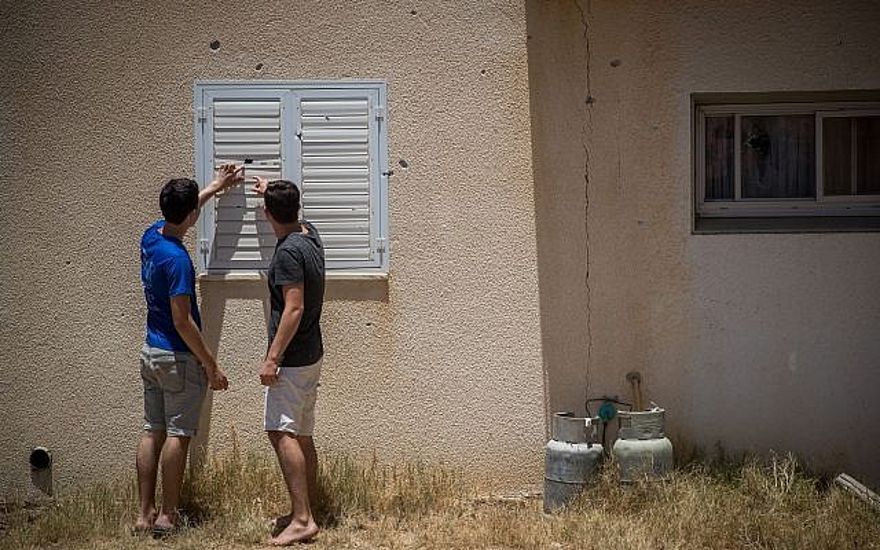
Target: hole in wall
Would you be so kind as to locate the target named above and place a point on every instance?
(40, 461)
(215, 45)
(40, 458)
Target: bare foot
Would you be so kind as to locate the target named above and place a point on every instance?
(295, 532)
(145, 522)
(280, 524)
(165, 522)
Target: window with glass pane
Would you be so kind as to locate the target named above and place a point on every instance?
(791, 159)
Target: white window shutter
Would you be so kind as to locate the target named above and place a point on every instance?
(339, 174)
(328, 138)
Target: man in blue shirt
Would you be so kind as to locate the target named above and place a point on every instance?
(176, 365)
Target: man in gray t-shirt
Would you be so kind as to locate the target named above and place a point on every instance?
(292, 366)
(299, 259)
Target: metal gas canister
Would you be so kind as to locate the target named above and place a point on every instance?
(642, 449)
(571, 459)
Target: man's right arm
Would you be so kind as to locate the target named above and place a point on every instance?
(188, 330)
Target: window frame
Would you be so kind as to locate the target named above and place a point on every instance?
(288, 91)
(820, 206)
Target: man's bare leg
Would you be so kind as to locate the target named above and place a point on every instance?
(293, 462)
(147, 462)
(307, 444)
(173, 465)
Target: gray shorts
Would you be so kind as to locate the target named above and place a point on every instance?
(175, 385)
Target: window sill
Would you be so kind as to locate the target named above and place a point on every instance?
(799, 224)
(261, 276)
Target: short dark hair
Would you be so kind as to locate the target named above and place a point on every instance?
(178, 198)
(282, 200)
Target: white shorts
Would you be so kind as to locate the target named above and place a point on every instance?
(290, 402)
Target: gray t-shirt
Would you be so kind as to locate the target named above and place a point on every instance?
(299, 259)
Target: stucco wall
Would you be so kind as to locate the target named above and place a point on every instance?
(441, 363)
(754, 341)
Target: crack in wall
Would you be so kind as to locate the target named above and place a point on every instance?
(586, 129)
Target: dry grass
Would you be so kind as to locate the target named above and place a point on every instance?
(365, 505)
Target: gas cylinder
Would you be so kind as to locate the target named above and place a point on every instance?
(571, 459)
(642, 449)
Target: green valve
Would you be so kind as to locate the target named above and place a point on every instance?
(607, 411)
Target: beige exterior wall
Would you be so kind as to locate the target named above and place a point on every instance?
(441, 363)
(754, 341)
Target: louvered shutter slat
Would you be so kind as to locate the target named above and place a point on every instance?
(238, 215)
(340, 107)
(247, 108)
(245, 123)
(352, 215)
(334, 149)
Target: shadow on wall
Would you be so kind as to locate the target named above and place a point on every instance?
(213, 304)
(215, 298)
(214, 295)
(557, 55)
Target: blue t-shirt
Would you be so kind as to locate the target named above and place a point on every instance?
(166, 271)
